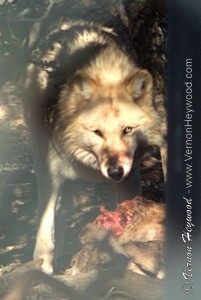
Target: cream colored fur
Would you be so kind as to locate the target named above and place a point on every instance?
(103, 117)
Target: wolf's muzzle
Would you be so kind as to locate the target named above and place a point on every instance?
(115, 172)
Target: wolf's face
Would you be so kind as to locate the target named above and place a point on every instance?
(108, 137)
(108, 122)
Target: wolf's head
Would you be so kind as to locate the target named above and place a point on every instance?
(104, 123)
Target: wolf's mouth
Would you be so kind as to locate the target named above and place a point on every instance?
(116, 172)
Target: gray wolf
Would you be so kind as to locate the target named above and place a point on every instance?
(89, 108)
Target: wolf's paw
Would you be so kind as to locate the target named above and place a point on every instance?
(47, 258)
(47, 268)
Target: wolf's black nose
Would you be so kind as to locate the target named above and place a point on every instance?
(115, 172)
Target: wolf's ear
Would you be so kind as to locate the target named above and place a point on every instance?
(141, 86)
(82, 84)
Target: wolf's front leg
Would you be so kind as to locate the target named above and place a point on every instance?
(48, 209)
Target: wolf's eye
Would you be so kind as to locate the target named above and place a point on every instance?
(98, 132)
(127, 130)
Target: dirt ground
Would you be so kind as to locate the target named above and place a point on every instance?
(17, 183)
(18, 191)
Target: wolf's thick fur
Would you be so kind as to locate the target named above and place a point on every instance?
(99, 120)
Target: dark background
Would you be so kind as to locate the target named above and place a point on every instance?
(184, 21)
